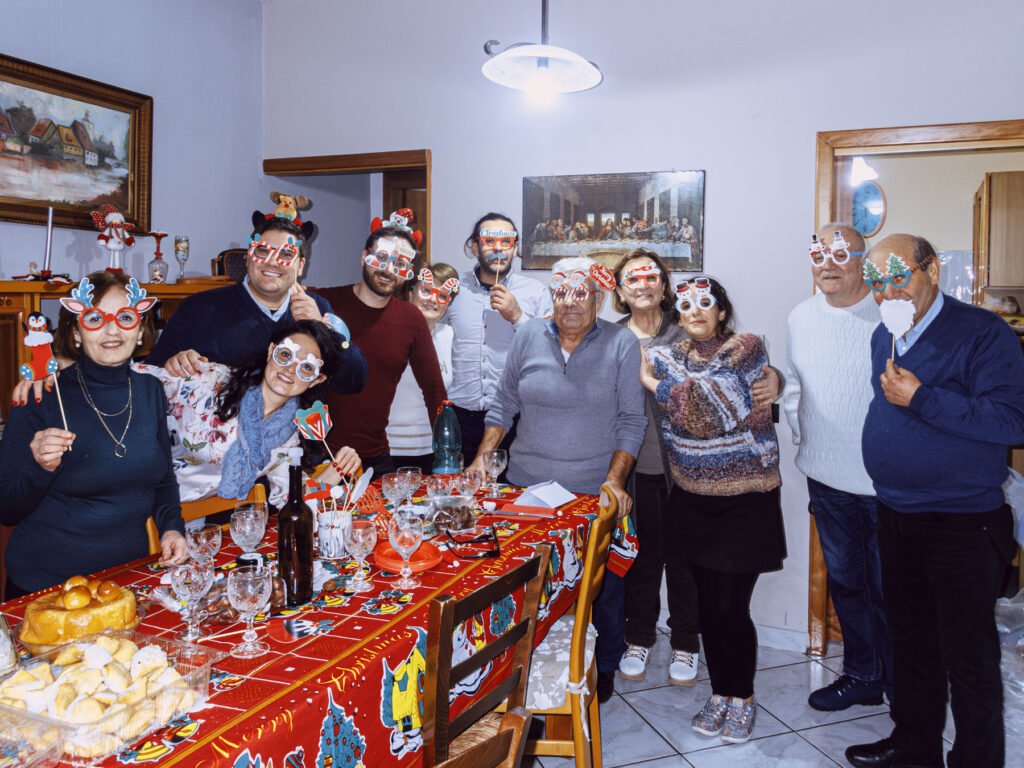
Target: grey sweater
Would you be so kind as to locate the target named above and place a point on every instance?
(573, 414)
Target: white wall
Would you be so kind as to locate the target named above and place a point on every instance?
(738, 89)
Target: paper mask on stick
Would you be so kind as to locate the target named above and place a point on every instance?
(897, 315)
(695, 295)
(38, 340)
(394, 255)
(314, 422)
(498, 240)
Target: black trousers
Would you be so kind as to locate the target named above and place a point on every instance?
(728, 633)
(643, 580)
(941, 574)
(472, 425)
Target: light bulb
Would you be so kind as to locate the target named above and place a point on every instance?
(540, 90)
(861, 172)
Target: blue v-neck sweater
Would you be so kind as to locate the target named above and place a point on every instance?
(946, 452)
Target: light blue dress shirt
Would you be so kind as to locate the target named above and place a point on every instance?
(275, 314)
(902, 345)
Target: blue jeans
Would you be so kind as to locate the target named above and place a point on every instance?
(848, 529)
(609, 618)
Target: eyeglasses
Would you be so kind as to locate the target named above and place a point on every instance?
(877, 282)
(93, 319)
(576, 293)
(839, 251)
(695, 295)
(632, 281)
(261, 252)
(398, 262)
(286, 354)
(426, 293)
(491, 536)
(498, 239)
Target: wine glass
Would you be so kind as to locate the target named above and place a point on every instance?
(494, 462)
(438, 485)
(393, 488)
(181, 252)
(467, 483)
(203, 543)
(405, 533)
(248, 524)
(191, 581)
(413, 476)
(249, 588)
(360, 540)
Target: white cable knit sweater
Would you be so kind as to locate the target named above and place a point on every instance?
(828, 389)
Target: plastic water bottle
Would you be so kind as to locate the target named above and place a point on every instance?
(447, 443)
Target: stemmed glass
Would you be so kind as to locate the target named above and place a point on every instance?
(203, 543)
(181, 252)
(191, 581)
(360, 540)
(405, 533)
(494, 462)
(413, 476)
(467, 483)
(249, 588)
(438, 485)
(248, 524)
(393, 488)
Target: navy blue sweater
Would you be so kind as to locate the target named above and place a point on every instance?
(90, 512)
(225, 326)
(946, 452)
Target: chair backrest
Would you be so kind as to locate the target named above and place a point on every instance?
(230, 262)
(503, 750)
(447, 613)
(594, 562)
(193, 510)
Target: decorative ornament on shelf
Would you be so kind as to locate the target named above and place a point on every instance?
(157, 269)
(288, 207)
(115, 233)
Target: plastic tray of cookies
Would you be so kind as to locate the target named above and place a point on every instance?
(95, 696)
(8, 651)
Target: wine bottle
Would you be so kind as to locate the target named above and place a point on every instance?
(295, 538)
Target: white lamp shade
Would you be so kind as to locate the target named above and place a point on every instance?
(520, 66)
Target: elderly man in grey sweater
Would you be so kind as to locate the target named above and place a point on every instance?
(574, 381)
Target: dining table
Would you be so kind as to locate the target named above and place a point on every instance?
(342, 684)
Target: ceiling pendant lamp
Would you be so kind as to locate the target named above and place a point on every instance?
(541, 71)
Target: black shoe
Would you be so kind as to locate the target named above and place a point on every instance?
(844, 692)
(880, 754)
(605, 686)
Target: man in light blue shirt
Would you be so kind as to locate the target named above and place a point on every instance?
(493, 304)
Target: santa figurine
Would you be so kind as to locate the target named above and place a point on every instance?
(115, 234)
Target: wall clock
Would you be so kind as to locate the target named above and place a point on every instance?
(868, 208)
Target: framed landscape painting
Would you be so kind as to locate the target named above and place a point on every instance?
(607, 215)
(71, 143)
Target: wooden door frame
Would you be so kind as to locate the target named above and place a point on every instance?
(366, 162)
(953, 137)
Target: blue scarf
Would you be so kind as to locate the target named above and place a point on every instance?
(255, 439)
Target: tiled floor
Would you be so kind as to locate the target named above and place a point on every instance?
(647, 724)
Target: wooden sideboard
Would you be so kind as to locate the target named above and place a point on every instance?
(18, 298)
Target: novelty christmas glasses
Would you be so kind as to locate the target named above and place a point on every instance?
(839, 251)
(694, 295)
(645, 274)
(442, 295)
(92, 318)
(498, 239)
(574, 285)
(898, 273)
(394, 255)
(263, 252)
(286, 354)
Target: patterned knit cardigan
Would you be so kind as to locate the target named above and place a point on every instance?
(717, 442)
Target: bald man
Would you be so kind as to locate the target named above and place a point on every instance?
(948, 398)
(828, 389)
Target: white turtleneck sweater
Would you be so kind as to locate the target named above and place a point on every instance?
(828, 389)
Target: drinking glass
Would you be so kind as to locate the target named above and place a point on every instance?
(405, 533)
(203, 543)
(494, 462)
(181, 252)
(248, 524)
(393, 488)
(438, 485)
(249, 589)
(467, 483)
(191, 581)
(413, 476)
(360, 540)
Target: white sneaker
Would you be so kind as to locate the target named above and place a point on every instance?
(634, 663)
(683, 669)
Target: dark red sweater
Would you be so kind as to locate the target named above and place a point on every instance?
(390, 338)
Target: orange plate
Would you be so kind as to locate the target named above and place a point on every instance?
(424, 558)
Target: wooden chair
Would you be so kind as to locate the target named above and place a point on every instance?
(503, 750)
(573, 728)
(443, 736)
(193, 510)
(231, 263)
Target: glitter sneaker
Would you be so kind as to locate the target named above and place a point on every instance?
(739, 720)
(683, 669)
(711, 717)
(634, 663)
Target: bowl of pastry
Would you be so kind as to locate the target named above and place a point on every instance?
(77, 608)
(95, 696)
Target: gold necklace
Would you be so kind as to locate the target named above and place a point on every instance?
(120, 450)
